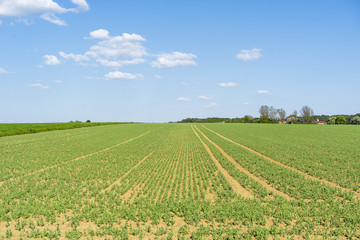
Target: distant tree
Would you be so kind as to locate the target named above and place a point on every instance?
(355, 120)
(307, 113)
(273, 113)
(294, 113)
(248, 119)
(340, 120)
(332, 120)
(88, 121)
(264, 112)
(282, 114)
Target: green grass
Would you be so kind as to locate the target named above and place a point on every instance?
(8, 129)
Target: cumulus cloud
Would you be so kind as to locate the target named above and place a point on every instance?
(203, 97)
(228, 84)
(45, 9)
(184, 99)
(100, 34)
(51, 60)
(264, 92)
(39, 85)
(175, 59)
(247, 55)
(121, 76)
(114, 51)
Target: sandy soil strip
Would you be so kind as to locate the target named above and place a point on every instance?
(244, 170)
(75, 159)
(332, 184)
(234, 184)
(117, 182)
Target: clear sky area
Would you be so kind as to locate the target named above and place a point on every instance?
(160, 61)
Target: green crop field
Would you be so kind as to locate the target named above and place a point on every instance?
(8, 129)
(182, 181)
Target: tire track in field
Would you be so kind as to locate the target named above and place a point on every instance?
(332, 184)
(75, 159)
(247, 172)
(237, 188)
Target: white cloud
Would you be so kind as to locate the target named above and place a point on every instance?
(39, 85)
(82, 4)
(203, 97)
(117, 51)
(175, 59)
(2, 71)
(51, 60)
(100, 34)
(228, 84)
(45, 9)
(184, 99)
(247, 55)
(121, 76)
(212, 105)
(53, 19)
(75, 57)
(264, 92)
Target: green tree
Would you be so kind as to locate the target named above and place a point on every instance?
(307, 113)
(340, 120)
(332, 120)
(355, 120)
(248, 119)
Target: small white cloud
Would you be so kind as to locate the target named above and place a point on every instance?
(82, 4)
(51, 60)
(228, 84)
(175, 59)
(53, 19)
(246, 103)
(3, 71)
(39, 85)
(184, 99)
(212, 105)
(157, 76)
(264, 92)
(57, 81)
(203, 97)
(121, 76)
(247, 55)
(100, 34)
(75, 57)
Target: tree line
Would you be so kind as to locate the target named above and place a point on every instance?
(270, 114)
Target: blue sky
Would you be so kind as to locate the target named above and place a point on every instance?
(159, 61)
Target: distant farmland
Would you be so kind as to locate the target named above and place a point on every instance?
(182, 181)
